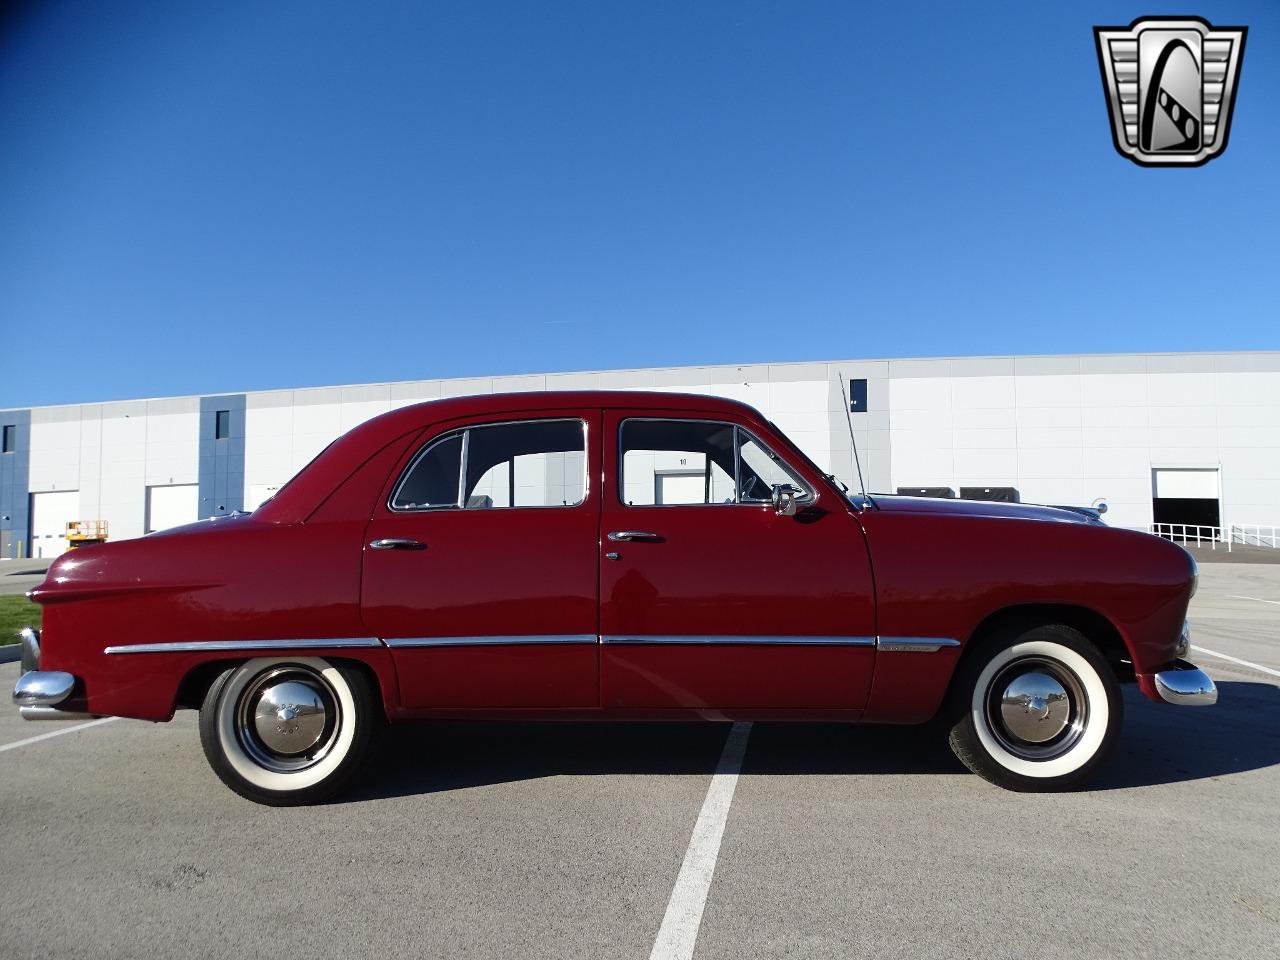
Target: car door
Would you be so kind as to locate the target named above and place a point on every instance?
(720, 601)
(480, 564)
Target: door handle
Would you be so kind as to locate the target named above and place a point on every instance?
(634, 535)
(397, 543)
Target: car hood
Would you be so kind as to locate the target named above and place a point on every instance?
(978, 508)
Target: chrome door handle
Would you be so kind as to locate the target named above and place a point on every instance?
(397, 543)
(633, 535)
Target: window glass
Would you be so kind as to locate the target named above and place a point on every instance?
(432, 480)
(537, 464)
(222, 425)
(10, 438)
(760, 470)
(671, 462)
(676, 462)
(534, 464)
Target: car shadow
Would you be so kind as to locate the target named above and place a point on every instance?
(1158, 745)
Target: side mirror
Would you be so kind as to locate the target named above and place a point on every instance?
(784, 499)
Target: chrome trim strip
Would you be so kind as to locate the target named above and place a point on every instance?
(914, 644)
(511, 640)
(755, 640)
(206, 646)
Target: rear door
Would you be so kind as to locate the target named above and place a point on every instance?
(480, 564)
(710, 599)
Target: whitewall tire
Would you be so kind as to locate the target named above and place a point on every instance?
(288, 730)
(1038, 710)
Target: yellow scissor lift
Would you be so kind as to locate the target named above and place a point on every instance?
(82, 533)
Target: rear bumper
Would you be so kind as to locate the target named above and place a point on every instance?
(43, 694)
(1183, 685)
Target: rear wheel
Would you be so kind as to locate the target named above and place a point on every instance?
(287, 731)
(1035, 711)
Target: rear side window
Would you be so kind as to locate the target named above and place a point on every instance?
(540, 463)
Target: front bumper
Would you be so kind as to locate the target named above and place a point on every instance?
(1185, 685)
(42, 694)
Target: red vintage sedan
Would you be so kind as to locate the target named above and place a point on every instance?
(610, 555)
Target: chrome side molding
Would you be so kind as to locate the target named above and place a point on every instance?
(914, 644)
(205, 646)
(885, 644)
(402, 642)
(763, 639)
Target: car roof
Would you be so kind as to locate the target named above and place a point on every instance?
(315, 482)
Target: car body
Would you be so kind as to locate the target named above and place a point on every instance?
(770, 594)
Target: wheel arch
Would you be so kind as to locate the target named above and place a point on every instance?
(196, 682)
(1094, 625)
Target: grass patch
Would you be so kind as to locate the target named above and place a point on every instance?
(16, 612)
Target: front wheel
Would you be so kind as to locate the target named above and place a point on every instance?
(287, 731)
(1037, 711)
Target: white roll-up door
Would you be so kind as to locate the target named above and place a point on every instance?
(172, 505)
(1181, 484)
(50, 514)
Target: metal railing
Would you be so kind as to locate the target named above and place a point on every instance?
(1190, 533)
(1253, 535)
(1199, 535)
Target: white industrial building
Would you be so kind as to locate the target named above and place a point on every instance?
(1175, 438)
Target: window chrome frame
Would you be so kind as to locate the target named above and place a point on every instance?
(809, 494)
(460, 504)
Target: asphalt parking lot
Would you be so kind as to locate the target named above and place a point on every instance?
(545, 840)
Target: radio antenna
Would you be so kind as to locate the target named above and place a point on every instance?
(853, 442)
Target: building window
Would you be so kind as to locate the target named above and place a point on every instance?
(857, 396)
(222, 425)
(10, 438)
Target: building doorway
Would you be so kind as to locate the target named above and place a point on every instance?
(50, 514)
(1188, 499)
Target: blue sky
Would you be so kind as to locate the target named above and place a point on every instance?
(244, 195)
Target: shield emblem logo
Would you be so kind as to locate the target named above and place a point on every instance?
(1170, 86)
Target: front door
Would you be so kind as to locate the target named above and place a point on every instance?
(480, 565)
(711, 599)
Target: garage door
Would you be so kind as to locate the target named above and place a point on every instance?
(50, 514)
(1185, 502)
(1182, 484)
(172, 506)
(682, 488)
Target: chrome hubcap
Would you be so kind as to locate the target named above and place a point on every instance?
(290, 717)
(1036, 708)
(286, 719)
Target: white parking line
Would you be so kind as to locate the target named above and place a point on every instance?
(1235, 596)
(1243, 663)
(679, 930)
(56, 733)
